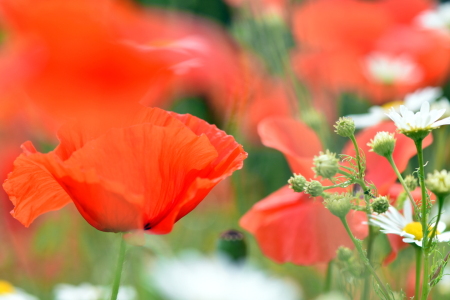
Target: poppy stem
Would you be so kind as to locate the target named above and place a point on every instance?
(418, 271)
(119, 267)
(329, 277)
(369, 267)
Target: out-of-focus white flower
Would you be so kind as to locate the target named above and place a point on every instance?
(387, 69)
(438, 18)
(412, 101)
(425, 119)
(193, 277)
(394, 222)
(9, 292)
(87, 291)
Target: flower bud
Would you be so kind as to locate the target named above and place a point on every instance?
(338, 204)
(326, 164)
(439, 183)
(297, 183)
(345, 127)
(232, 245)
(314, 188)
(411, 182)
(380, 205)
(383, 143)
(344, 253)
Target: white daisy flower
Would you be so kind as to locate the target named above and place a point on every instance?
(393, 222)
(9, 292)
(408, 121)
(387, 69)
(193, 277)
(412, 101)
(87, 291)
(438, 18)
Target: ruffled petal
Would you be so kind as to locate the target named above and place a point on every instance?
(31, 186)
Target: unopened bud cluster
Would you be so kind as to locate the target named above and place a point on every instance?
(383, 143)
(339, 204)
(314, 188)
(411, 182)
(345, 127)
(439, 183)
(326, 164)
(297, 183)
(380, 205)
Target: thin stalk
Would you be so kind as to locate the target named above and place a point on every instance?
(418, 271)
(441, 148)
(329, 277)
(358, 156)
(364, 258)
(402, 181)
(424, 219)
(440, 204)
(119, 267)
(366, 289)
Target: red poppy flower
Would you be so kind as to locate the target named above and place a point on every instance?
(145, 174)
(289, 226)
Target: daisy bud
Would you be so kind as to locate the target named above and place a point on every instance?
(380, 205)
(314, 188)
(383, 143)
(345, 127)
(232, 245)
(338, 204)
(411, 182)
(326, 164)
(439, 183)
(344, 253)
(297, 183)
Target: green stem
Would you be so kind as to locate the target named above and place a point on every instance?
(424, 218)
(364, 258)
(441, 142)
(366, 288)
(119, 267)
(400, 178)
(358, 156)
(440, 204)
(418, 270)
(329, 277)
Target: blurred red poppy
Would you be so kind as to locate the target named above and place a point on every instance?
(289, 226)
(373, 48)
(146, 173)
(72, 57)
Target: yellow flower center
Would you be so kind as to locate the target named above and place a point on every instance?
(6, 288)
(394, 104)
(415, 228)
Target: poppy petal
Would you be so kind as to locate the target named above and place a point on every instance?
(25, 184)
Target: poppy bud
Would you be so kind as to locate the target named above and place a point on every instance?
(326, 164)
(383, 143)
(297, 183)
(380, 205)
(439, 183)
(411, 182)
(338, 204)
(345, 127)
(232, 245)
(314, 188)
